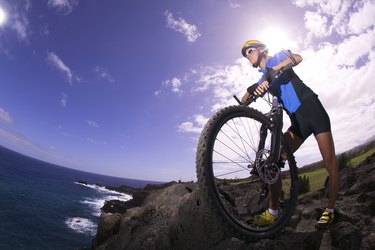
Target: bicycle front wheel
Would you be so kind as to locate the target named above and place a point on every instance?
(233, 143)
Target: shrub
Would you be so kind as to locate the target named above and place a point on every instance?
(342, 161)
(304, 184)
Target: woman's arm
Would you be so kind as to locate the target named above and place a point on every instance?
(287, 61)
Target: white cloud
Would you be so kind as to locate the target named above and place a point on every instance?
(180, 25)
(220, 83)
(96, 142)
(63, 99)
(22, 144)
(316, 24)
(63, 6)
(21, 27)
(17, 19)
(194, 126)
(341, 74)
(5, 117)
(234, 5)
(92, 124)
(225, 81)
(364, 18)
(344, 91)
(28, 5)
(175, 84)
(328, 6)
(102, 73)
(55, 61)
(343, 17)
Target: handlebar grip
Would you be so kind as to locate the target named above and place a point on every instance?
(251, 99)
(238, 100)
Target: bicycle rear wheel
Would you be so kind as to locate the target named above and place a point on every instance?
(227, 152)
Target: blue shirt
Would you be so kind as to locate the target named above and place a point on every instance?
(289, 89)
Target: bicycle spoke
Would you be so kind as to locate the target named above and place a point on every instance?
(230, 148)
(230, 160)
(233, 172)
(238, 133)
(236, 142)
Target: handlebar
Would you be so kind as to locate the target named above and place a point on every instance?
(251, 99)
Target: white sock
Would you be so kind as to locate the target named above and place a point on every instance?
(273, 212)
(331, 210)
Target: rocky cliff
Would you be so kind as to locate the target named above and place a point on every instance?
(173, 216)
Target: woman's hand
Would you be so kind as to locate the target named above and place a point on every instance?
(256, 89)
(261, 88)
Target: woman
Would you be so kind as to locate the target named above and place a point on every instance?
(306, 113)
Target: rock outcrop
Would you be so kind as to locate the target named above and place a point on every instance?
(174, 217)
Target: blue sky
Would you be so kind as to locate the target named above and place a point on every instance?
(123, 88)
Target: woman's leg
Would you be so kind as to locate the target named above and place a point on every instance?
(294, 142)
(327, 149)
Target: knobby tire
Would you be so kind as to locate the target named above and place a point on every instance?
(233, 196)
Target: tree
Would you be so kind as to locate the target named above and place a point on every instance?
(304, 184)
(343, 161)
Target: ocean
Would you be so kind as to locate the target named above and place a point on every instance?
(44, 206)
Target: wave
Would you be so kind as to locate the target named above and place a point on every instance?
(97, 202)
(82, 225)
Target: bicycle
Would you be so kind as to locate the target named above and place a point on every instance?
(242, 151)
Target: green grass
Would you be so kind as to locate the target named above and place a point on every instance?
(317, 178)
(358, 159)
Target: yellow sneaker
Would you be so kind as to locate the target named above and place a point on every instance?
(265, 219)
(325, 220)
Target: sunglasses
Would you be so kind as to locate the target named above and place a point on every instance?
(249, 51)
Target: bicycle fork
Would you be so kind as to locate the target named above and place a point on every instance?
(276, 115)
(277, 118)
(267, 160)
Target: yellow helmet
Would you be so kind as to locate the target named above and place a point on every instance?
(251, 44)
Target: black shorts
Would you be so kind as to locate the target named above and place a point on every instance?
(310, 118)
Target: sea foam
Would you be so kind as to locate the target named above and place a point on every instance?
(82, 225)
(105, 195)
